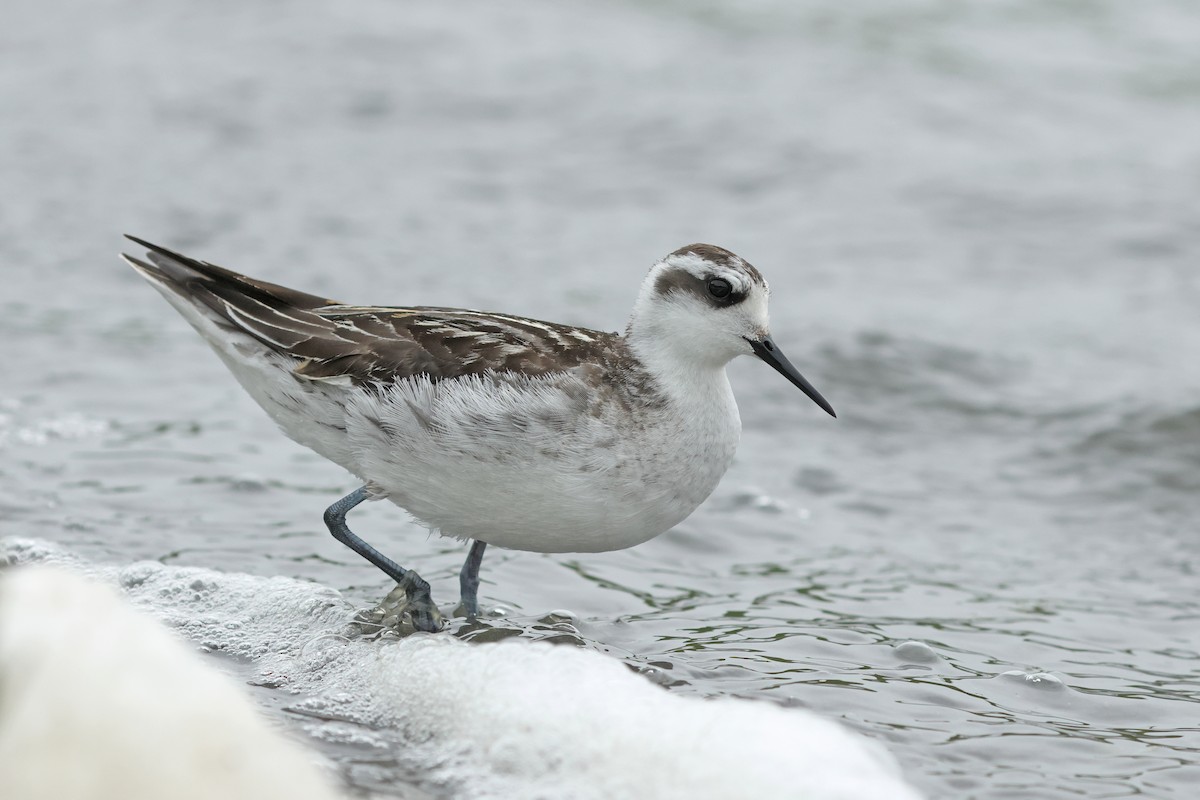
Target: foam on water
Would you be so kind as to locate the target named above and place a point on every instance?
(553, 721)
(508, 719)
(98, 703)
(20, 426)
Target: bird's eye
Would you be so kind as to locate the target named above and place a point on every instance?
(719, 287)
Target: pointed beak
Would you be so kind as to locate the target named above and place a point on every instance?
(767, 350)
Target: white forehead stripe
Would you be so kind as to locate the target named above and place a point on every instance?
(702, 268)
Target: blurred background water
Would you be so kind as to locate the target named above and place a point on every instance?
(980, 224)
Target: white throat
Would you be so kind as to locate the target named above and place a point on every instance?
(693, 379)
(698, 433)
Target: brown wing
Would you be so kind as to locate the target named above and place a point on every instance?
(372, 344)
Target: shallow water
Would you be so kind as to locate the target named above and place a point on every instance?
(979, 224)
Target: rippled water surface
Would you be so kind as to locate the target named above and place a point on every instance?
(980, 226)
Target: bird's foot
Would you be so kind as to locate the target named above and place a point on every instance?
(419, 603)
(410, 599)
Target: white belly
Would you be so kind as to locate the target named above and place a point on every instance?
(537, 465)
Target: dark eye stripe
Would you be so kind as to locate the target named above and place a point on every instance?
(681, 280)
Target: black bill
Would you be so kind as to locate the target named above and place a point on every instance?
(766, 350)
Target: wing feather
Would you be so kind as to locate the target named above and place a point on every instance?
(331, 341)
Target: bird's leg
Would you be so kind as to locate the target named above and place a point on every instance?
(468, 579)
(425, 615)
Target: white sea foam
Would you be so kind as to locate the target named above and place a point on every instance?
(515, 719)
(98, 702)
(19, 425)
(542, 720)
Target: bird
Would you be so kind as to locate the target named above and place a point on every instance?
(493, 428)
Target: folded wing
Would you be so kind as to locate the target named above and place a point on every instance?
(371, 344)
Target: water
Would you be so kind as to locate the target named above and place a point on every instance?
(979, 223)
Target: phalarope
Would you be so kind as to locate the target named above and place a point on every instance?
(493, 428)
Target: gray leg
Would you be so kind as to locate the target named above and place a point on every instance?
(468, 579)
(425, 615)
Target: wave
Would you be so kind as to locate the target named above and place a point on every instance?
(509, 719)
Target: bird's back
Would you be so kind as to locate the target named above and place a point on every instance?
(337, 342)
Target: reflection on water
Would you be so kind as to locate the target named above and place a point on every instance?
(978, 224)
